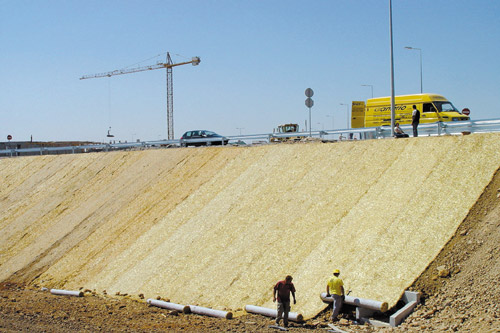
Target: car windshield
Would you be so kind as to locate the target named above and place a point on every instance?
(445, 107)
(208, 133)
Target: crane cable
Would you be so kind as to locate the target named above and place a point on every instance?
(137, 63)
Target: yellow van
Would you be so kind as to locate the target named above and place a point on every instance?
(377, 111)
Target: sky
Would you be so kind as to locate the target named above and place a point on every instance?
(257, 59)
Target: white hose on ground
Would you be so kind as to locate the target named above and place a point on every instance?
(360, 302)
(210, 312)
(293, 316)
(66, 292)
(168, 305)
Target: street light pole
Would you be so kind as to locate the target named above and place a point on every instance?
(333, 124)
(393, 106)
(347, 113)
(368, 85)
(420, 52)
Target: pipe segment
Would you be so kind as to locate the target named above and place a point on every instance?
(360, 302)
(168, 305)
(66, 292)
(210, 312)
(293, 316)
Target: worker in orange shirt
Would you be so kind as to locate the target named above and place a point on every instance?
(335, 288)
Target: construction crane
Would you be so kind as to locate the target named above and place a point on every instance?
(170, 89)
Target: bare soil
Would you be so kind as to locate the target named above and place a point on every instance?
(461, 287)
(460, 292)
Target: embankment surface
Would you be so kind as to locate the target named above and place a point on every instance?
(219, 226)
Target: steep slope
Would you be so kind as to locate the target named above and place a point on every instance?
(468, 299)
(219, 226)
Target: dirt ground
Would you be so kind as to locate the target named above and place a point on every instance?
(460, 292)
(461, 287)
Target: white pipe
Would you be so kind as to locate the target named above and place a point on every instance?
(210, 312)
(168, 305)
(293, 316)
(66, 292)
(360, 302)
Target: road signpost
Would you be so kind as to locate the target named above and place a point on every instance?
(309, 103)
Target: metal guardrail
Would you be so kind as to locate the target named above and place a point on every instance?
(431, 129)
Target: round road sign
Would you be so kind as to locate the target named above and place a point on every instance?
(9, 137)
(309, 102)
(309, 92)
(466, 111)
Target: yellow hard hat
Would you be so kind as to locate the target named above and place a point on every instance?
(336, 271)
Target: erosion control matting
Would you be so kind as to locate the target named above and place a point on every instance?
(217, 227)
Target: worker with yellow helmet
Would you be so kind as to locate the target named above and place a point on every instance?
(335, 288)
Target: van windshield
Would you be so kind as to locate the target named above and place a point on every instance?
(445, 107)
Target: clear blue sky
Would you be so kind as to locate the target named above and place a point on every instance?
(257, 58)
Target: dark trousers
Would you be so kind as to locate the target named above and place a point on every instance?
(415, 132)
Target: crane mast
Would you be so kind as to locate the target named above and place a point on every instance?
(170, 99)
(168, 65)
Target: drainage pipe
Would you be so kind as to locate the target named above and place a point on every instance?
(293, 316)
(210, 312)
(168, 305)
(66, 292)
(359, 302)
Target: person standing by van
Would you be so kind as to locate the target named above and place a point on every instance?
(415, 120)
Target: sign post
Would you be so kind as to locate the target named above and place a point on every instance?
(309, 103)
